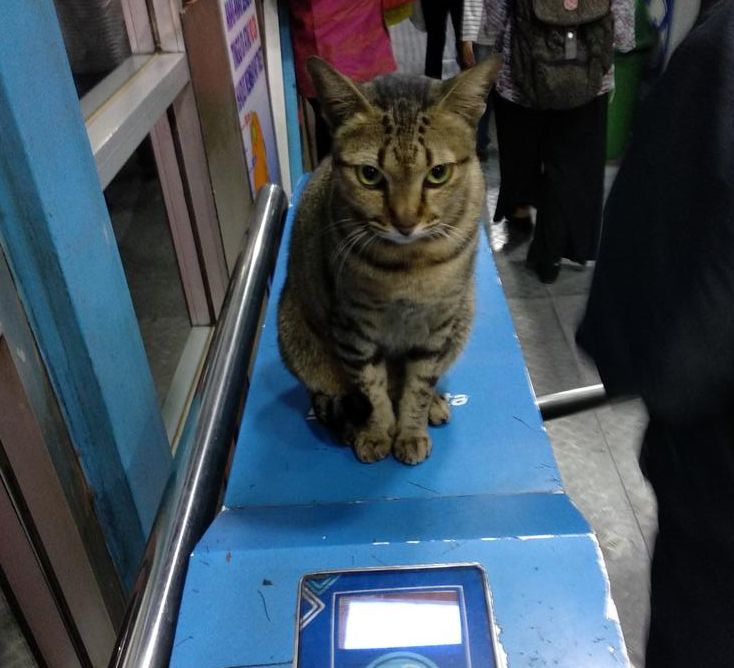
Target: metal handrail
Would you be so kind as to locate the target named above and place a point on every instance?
(192, 494)
(568, 402)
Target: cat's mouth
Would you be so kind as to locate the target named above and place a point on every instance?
(401, 238)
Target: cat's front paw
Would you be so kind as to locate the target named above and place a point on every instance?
(439, 412)
(372, 445)
(412, 447)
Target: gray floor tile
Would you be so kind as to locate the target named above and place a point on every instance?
(574, 279)
(14, 651)
(623, 425)
(547, 355)
(517, 280)
(592, 479)
(570, 310)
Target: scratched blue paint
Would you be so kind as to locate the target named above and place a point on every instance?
(57, 235)
(490, 493)
(496, 439)
(549, 594)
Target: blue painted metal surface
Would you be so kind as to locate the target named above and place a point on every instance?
(57, 235)
(550, 596)
(490, 493)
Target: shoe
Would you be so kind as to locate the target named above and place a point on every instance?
(546, 270)
(520, 225)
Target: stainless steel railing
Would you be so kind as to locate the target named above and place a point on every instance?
(568, 402)
(192, 494)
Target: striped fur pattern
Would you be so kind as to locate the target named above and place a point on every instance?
(379, 296)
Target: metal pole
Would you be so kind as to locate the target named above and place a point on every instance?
(568, 402)
(191, 497)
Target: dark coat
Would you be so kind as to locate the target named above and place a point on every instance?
(660, 323)
(660, 316)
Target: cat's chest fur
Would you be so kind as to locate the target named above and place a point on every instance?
(403, 325)
(400, 325)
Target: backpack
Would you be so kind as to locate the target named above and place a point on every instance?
(561, 50)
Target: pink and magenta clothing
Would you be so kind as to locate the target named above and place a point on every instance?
(351, 35)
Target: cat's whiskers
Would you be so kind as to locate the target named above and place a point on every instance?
(438, 233)
(438, 230)
(345, 248)
(345, 241)
(371, 239)
(453, 232)
(342, 223)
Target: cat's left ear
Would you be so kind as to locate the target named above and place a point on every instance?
(466, 94)
(339, 96)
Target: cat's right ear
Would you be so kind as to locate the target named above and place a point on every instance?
(466, 93)
(338, 95)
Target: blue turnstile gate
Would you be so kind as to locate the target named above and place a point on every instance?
(297, 503)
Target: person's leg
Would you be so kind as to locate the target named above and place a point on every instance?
(435, 13)
(456, 9)
(482, 52)
(691, 469)
(572, 186)
(518, 135)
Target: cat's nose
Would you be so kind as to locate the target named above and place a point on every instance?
(406, 231)
(405, 224)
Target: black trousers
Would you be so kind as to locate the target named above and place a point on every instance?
(435, 13)
(691, 469)
(554, 160)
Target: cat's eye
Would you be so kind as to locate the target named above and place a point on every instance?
(369, 176)
(439, 174)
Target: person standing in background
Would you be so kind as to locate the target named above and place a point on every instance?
(478, 42)
(351, 36)
(552, 157)
(435, 14)
(659, 323)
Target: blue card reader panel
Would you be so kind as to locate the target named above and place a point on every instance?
(416, 617)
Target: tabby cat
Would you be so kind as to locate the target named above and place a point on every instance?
(379, 297)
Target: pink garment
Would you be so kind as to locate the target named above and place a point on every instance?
(351, 35)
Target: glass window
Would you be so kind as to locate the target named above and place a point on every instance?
(144, 239)
(95, 38)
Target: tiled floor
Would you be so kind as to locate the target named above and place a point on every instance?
(596, 450)
(14, 651)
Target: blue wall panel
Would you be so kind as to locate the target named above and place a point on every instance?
(57, 235)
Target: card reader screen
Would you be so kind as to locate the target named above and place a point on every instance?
(399, 619)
